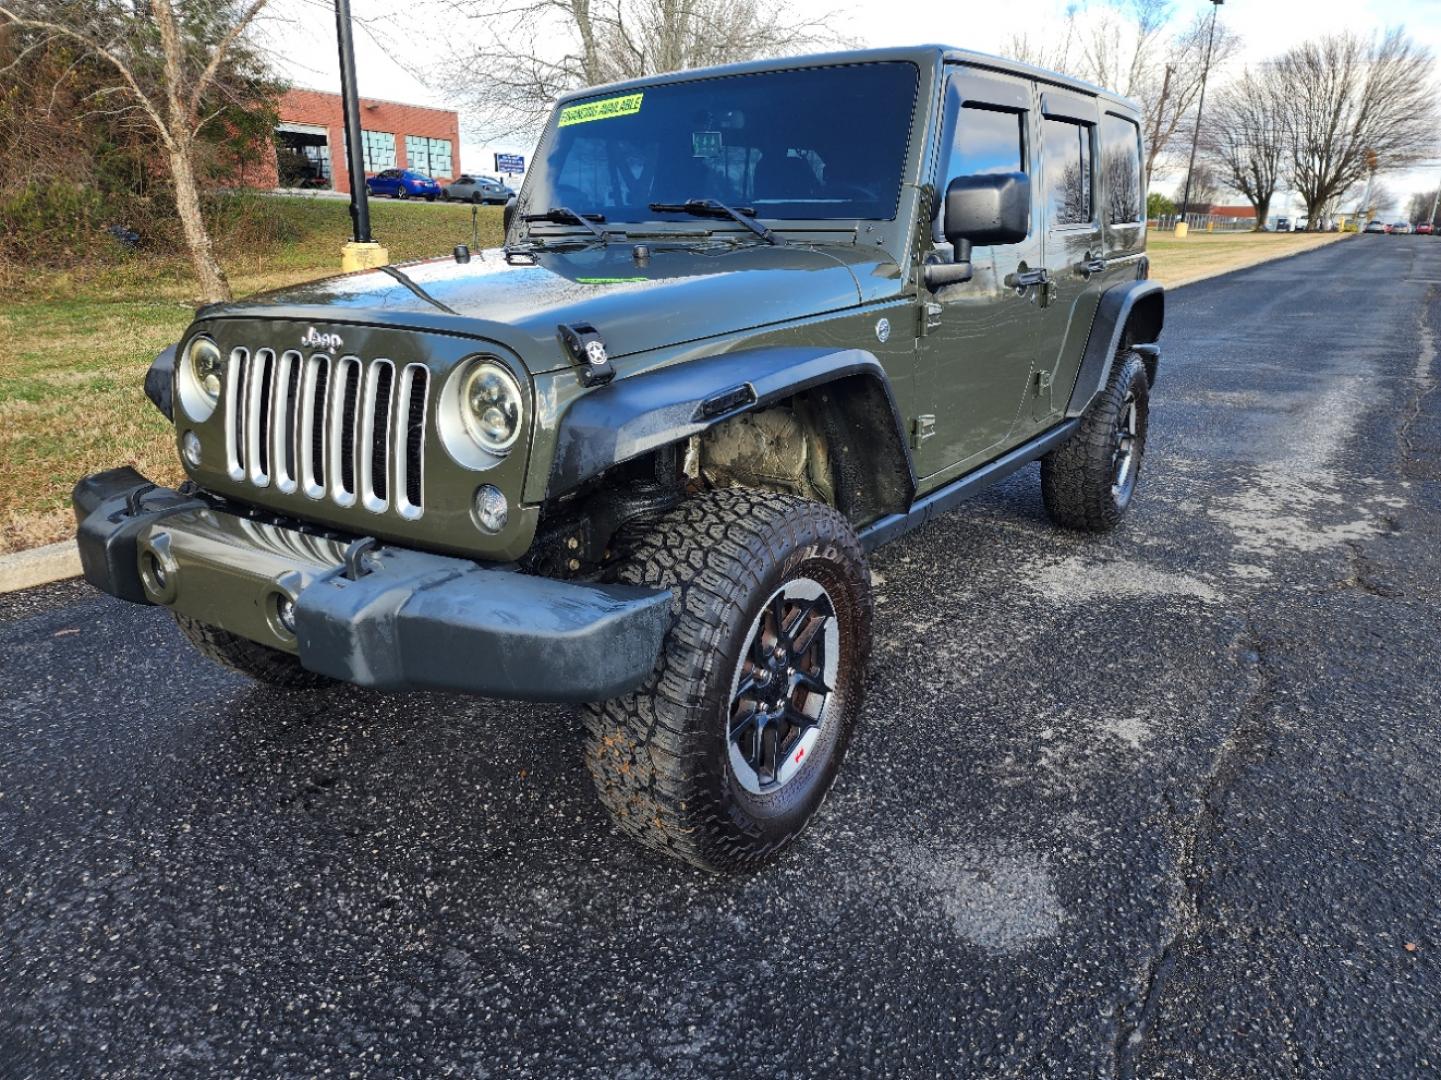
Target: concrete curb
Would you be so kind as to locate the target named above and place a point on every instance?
(39, 566)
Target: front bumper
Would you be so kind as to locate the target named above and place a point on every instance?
(385, 617)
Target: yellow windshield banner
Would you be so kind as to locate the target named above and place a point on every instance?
(604, 109)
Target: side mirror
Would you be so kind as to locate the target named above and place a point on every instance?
(991, 208)
(507, 216)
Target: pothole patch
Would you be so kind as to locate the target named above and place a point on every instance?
(1000, 902)
(1080, 580)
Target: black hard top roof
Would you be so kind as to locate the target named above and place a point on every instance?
(917, 54)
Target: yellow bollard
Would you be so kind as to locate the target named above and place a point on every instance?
(1182, 229)
(355, 256)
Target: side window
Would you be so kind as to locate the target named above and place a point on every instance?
(987, 140)
(1121, 166)
(1067, 152)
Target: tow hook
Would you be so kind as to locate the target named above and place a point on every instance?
(356, 566)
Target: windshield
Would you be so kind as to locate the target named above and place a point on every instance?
(811, 143)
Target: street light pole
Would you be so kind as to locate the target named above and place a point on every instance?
(1200, 108)
(362, 252)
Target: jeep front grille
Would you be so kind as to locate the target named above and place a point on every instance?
(347, 430)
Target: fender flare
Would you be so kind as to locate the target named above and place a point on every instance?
(632, 416)
(1147, 299)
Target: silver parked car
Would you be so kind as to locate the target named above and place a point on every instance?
(472, 187)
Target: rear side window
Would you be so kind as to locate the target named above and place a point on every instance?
(1121, 166)
(1068, 171)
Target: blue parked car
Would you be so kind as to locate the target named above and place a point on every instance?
(403, 184)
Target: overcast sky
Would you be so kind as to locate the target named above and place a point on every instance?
(304, 43)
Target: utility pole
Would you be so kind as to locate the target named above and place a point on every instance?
(362, 252)
(1372, 161)
(1182, 228)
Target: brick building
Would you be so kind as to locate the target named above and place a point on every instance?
(310, 141)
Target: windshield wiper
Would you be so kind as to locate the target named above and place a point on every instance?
(563, 215)
(715, 208)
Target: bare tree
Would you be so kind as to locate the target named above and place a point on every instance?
(525, 55)
(1245, 135)
(168, 64)
(1351, 101)
(1173, 86)
(1205, 186)
(1051, 50)
(1422, 208)
(1134, 48)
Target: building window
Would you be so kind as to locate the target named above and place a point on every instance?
(430, 156)
(379, 150)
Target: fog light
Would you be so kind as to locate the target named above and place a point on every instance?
(285, 614)
(491, 511)
(190, 447)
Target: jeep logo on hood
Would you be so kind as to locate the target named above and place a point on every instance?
(314, 339)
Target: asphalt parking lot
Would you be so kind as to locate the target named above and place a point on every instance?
(1162, 804)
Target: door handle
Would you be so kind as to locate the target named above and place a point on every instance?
(1022, 280)
(1090, 265)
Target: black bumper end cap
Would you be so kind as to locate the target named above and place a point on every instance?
(112, 509)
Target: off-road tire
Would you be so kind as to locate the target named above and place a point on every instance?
(660, 756)
(260, 662)
(1077, 478)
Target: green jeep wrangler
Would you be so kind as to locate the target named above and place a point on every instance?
(748, 324)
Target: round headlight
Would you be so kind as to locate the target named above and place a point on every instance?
(492, 407)
(201, 373)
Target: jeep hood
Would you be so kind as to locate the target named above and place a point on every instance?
(679, 294)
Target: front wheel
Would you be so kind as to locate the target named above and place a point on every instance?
(727, 751)
(401, 193)
(1088, 481)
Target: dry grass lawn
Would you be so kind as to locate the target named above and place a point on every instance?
(1202, 255)
(74, 346)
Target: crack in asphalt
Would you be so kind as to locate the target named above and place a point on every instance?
(1364, 574)
(1249, 743)
(1425, 382)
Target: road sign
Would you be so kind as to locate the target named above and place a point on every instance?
(509, 163)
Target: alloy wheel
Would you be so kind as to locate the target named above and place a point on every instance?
(783, 686)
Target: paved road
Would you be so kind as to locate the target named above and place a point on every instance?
(1163, 804)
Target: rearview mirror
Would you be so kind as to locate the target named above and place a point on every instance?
(508, 215)
(990, 208)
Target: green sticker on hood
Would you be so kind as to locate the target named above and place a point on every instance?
(604, 109)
